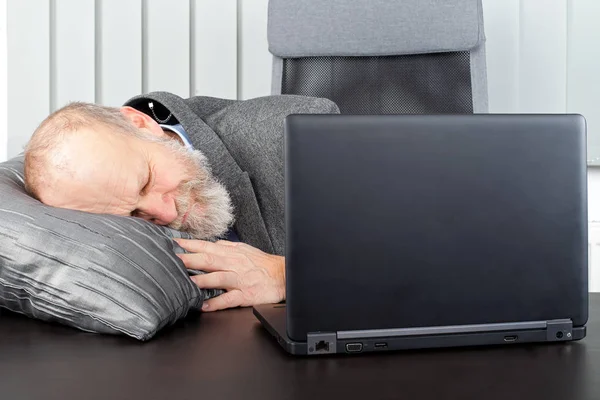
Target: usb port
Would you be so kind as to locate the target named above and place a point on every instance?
(354, 347)
(382, 345)
(511, 338)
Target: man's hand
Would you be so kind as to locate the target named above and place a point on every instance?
(248, 275)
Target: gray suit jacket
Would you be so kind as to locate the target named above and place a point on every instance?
(243, 141)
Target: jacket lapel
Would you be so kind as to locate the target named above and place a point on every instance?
(249, 223)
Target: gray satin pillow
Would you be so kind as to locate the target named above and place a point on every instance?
(98, 273)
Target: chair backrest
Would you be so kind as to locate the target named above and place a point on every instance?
(381, 56)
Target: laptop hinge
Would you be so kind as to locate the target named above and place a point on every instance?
(559, 330)
(441, 330)
(321, 343)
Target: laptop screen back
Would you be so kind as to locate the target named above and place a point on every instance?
(415, 221)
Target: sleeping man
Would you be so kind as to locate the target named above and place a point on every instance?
(206, 166)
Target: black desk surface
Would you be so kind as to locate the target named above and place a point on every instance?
(228, 355)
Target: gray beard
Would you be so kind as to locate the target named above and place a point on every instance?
(212, 212)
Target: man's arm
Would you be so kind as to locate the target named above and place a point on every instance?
(249, 275)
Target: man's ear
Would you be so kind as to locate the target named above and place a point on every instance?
(138, 118)
(142, 121)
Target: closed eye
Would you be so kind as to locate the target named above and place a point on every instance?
(148, 184)
(145, 189)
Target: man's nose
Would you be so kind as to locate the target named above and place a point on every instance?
(158, 209)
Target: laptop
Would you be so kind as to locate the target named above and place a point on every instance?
(415, 231)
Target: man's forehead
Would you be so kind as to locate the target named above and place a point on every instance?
(89, 137)
(103, 161)
(95, 145)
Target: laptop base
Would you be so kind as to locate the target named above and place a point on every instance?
(273, 319)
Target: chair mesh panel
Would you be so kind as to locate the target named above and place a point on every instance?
(411, 84)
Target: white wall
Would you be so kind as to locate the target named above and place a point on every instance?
(29, 69)
(255, 59)
(3, 82)
(107, 51)
(541, 58)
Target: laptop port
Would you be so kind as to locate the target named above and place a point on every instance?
(322, 346)
(511, 338)
(354, 347)
(382, 345)
(321, 343)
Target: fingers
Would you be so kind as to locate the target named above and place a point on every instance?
(208, 262)
(228, 243)
(215, 280)
(249, 275)
(226, 300)
(202, 246)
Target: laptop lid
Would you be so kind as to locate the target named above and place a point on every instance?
(419, 221)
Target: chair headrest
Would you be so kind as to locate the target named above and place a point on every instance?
(373, 27)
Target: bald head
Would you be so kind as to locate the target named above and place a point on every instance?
(47, 155)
